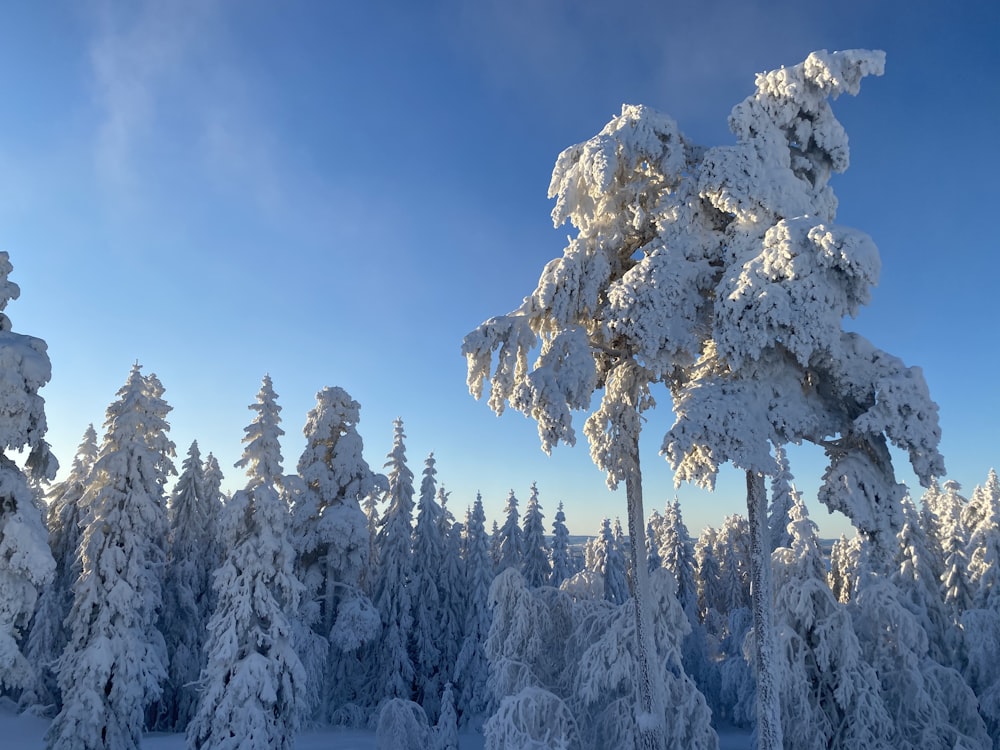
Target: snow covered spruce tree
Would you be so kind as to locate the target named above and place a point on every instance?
(26, 563)
(114, 663)
(721, 274)
(252, 687)
(472, 666)
(429, 551)
(331, 534)
(186, 593)
(562, 567)
(508, 539)
(64, 519)
(535, 563)
(393, 672)
(831, 695)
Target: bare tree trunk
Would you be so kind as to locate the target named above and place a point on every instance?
(650, 712)
(762, 599)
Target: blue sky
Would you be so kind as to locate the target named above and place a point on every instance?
(336, 193)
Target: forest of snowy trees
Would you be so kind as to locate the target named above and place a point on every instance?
(136, 596)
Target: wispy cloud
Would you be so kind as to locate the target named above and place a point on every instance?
(138, 49)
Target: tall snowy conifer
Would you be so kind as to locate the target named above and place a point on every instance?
(452, 590)
(394, 673)
(535, 563)
(26, 563)
(114, 663)
(676, 550)
(252, 687)
(331, 532)
(561, 565)
(783, 497)
(827, 686)
(472, 667)
(721, 274)
(428, 608)
(510, 539)
(49, 634)
(612, 562)
(186, 592)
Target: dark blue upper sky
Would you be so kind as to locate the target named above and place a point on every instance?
(336, 193)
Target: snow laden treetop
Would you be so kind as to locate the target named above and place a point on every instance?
(721, 273)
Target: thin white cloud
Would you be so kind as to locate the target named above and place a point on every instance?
(137, 49)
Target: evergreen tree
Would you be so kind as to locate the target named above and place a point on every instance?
(561, 566)
(186, 592)
(49, 634)
(612, 565)
(26, 564)
(471, 669)
(827, 686)
(333, 543)
(495, 540)
(930, 705)
(446, 729)
(510, 542)
(676, 550)
(452, 589)
(428, 609)
(984, 503)
(393, 598)
(783, 497)
(252, 687)
(214, 499)
(535, 553)
(114, 663)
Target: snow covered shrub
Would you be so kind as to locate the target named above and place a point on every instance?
(402, 725)
(446, 729)
(533, 719)
(516, 639)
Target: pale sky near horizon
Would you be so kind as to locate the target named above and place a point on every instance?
(336, 193)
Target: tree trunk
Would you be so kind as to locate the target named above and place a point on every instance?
(649, 713)
(762, 599)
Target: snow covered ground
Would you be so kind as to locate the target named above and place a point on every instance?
(26, 732)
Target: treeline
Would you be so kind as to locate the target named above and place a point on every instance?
(341, 595)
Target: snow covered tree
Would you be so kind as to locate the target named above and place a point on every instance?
(827, 685)
(561, 566)
(402, 725)
(472, 667)
(918, 581)
(516, 640)
(428, 610)
(509, 541)
(602, 675)
(535, 553)
(984, 503)
(114, 663)
(26, 563)
(611, 560)
(845, 560)
(253, 685)
(929, 704)
(676, 550)
(452, 580)
(446, 729)
(393, 597)
(721, 274)
(783, 497)
(186, 592)
(214, 499)
(64, 519)
(331, 534)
